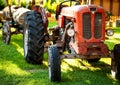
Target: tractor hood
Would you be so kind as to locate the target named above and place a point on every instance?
(89, 22)
(71, 11)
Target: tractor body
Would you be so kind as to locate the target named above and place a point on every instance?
(13, 17)
(89, 26)
(88, 23)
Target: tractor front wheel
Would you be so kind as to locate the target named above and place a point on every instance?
(33, 37)
(54, 64)
(115, 63)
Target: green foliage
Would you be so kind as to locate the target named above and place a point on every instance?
(2, 4)
(23, 4)
(13, 2)
(51, 5)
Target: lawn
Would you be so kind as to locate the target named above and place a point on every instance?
(15, 71)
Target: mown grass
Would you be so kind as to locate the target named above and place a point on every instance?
(15, 71)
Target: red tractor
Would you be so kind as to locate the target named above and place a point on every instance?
(80, 31)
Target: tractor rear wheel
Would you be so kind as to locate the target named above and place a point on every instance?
(33, 37)
(115, 63)
(6, 32)
(54, 64)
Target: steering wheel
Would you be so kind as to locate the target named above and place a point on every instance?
(61, 5)
(71, 2)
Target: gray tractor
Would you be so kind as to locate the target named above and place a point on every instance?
(32, 23)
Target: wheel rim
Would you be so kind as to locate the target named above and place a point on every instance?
(26, 42)
(6, 33)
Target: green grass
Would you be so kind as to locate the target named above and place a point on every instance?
(15, 71)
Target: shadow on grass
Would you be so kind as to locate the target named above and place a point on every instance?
(14, 53)
(95, 74)
(110, 45)
(14, 69)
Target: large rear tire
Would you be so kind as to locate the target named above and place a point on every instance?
(115, 63)
(54, 64)
(33, 37)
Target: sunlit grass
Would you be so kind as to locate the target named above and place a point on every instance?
(18, 48)
(106, 60)
(83, 64)
(10, 68)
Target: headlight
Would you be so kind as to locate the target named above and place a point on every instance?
(70, 32)
(110, 32)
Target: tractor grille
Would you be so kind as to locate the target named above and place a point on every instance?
(87, 32)
(87, 25)
(98, 25)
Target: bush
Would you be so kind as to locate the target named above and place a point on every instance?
(2, 4)
(13, 2)
(51, 5)
(23, 4)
